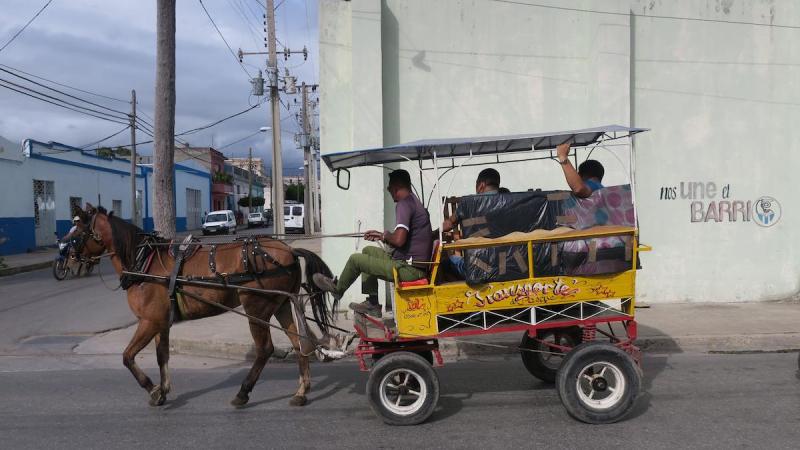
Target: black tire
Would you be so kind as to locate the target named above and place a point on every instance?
(60, 269)
(540, 364)
(396, 373)
(595, 369)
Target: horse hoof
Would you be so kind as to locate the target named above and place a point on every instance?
(298, 400)
(157, 398)
(239, 401)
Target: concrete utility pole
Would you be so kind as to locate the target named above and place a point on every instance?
(164, 152)
(311, 222)
(277, 162)
(134, 212)
(250, 180)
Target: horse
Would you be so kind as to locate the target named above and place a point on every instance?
(261, 263)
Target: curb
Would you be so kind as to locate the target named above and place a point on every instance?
(462, 350)
(26, 268)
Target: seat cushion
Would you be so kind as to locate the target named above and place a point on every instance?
(420, 282)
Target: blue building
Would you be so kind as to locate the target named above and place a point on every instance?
(42, 183)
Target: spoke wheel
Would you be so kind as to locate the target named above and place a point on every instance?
(403, 388)
(598, 383)
(60, 269)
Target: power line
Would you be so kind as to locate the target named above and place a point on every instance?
(26, 25)
(61, 100)
(646, 16)
(64, 85)
(64, 93)
(84, 147)
(239, 140)
(194, 130)
(57, 104)
(237, 7)
(224, 40)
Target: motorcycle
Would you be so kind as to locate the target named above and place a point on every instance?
(69, 262)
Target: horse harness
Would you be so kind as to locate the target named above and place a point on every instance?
(254, 260)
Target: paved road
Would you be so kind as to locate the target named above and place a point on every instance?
(691, 401)
(39, 315)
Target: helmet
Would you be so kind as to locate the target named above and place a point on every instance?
(76, 219)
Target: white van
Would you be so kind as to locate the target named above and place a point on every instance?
(293, 217)
(223, 221)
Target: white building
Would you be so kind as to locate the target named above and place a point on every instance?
(717, 82)
(44, 181)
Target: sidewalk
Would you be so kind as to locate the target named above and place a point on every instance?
(663, 328)
(25, 262)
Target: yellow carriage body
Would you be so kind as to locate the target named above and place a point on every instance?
(437, 309)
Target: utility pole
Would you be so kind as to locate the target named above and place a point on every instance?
(306, 162)
(277, 162)
(250, 180)
(164, 152)
(134, 212)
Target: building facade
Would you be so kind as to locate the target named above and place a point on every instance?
(43, 182)
(717, 83)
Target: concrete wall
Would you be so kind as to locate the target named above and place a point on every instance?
(721, 99)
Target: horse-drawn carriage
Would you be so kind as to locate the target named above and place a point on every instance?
(562, 270)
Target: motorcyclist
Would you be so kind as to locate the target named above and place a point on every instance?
(73, 237)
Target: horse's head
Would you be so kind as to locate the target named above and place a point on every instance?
(113, 234)
(98, 229)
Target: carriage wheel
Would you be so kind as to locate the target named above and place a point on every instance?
(598, 383)
(403, 388)
(60, 269)
(543, 363)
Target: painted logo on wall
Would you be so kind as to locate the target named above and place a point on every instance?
(712, 204)
(767, 212)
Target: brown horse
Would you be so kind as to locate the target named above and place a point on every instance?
(257, 263)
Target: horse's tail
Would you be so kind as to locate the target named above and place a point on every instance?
(319, 298)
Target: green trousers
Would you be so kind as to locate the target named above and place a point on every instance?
(373, 264)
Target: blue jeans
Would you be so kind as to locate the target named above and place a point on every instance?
(455, 264)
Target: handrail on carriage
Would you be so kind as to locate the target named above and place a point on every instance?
(541, 236)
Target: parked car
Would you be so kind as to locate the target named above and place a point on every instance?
(217, 222)
(293, 217)
(256, 219)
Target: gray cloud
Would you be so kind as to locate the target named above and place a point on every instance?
(109, 48)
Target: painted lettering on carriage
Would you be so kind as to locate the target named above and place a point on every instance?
(415, 304)
(524, 293)
(602, 291)
(710, 202)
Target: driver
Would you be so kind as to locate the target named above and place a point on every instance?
(411, 239)
(72, 237)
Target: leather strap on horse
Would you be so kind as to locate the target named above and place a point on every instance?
(176, 270)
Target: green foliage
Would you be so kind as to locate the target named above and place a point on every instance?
(108, 152)
(244, 202)
(295, 192)
(222, 177)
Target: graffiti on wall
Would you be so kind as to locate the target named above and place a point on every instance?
(710, 202)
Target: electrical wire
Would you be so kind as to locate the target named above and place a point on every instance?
(239, 140)
(57, 104)
(235, 6)
(123, 114)
(26, 25)
(194, 130)
(224, 40)
(84, 147)
(65, 85)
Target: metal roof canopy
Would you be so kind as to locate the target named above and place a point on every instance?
(489, 145)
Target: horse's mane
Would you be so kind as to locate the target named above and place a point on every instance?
(126, 237)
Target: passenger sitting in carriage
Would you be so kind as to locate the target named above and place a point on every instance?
(588, 177)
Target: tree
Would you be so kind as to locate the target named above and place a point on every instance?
(295, 192)
(164, 152)
(244, 202)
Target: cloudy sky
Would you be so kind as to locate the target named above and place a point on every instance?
(108, 47)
